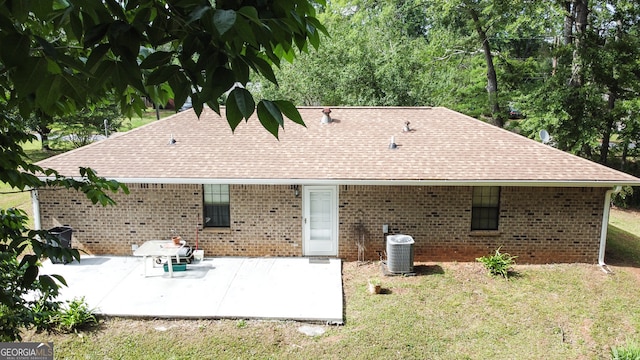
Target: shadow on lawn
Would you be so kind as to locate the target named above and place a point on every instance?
(428, 270)
(623, 248)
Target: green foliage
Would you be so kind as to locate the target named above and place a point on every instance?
(20, 277)
(624, 198)
(66, 54)
(499, 263)
(631, 351)
(75, 316)
(45, 314)
(81, 127)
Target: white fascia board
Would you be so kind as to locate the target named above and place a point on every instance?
(522, 183)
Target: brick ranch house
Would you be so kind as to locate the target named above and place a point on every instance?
(461, 187)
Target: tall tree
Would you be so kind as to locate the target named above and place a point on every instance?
(472, 9)
(372, 58)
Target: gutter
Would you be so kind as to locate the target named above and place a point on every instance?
(35, 201)
(604, 228)
(415, 182)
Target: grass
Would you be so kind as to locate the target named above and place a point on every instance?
(623, 244)
(447, 311)
(147, 117)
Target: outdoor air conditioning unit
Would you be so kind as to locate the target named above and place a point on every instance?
(400, 253)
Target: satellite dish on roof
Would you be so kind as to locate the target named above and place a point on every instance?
(544, 136)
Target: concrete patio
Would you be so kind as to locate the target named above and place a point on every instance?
(302, 289)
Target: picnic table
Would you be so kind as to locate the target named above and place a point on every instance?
(159, 248)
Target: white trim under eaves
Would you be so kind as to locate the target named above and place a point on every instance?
(527, 183)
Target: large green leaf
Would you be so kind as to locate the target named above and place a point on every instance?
(269, 116)
(290, 111)
(264, 68)
(30, 275)
(198, 13)
(244, 100)
(244, 30)
(29, 75)
(223, 20)
(95, 34)
(156, 59)
(20, 47)
(234, 116)
(162, 74)
(250, 13)
(47, 96)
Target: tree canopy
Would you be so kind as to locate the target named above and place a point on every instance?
(571, 67)
(63, 54)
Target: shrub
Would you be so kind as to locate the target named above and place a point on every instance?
(499, 263)
(76, 316)
(45, 314)
(631, 351)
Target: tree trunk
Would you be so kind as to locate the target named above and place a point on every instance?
(569, 16)
(608, 126)
(625, 152)
(44, 137)
(581, 11)
(492, 79)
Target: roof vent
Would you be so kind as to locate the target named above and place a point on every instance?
(325, 116)
(406, 127)
(392, 144)
(172, 140)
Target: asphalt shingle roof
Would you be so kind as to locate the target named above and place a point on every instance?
(442, 146)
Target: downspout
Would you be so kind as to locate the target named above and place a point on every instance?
(605, 226)
(36, 210)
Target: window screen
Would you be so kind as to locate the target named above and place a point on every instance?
(486, 206)
(216, 205)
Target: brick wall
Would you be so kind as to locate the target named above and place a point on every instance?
(539, 225)
(265, 220)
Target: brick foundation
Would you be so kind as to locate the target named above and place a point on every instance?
(539, 225)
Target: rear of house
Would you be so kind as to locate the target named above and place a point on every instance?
(461, 188)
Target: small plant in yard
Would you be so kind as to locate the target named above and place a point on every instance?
(45, 314)
(241, 323)
(631, 351)
(76, 316)
(499, 263)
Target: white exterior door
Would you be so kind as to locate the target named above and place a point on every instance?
(320, 221)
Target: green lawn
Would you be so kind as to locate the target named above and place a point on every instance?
(624, 237)
(147, 117)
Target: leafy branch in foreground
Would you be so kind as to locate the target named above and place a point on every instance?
(66, 54)
(25, 295)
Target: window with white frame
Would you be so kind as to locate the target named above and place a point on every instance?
(216, 205)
